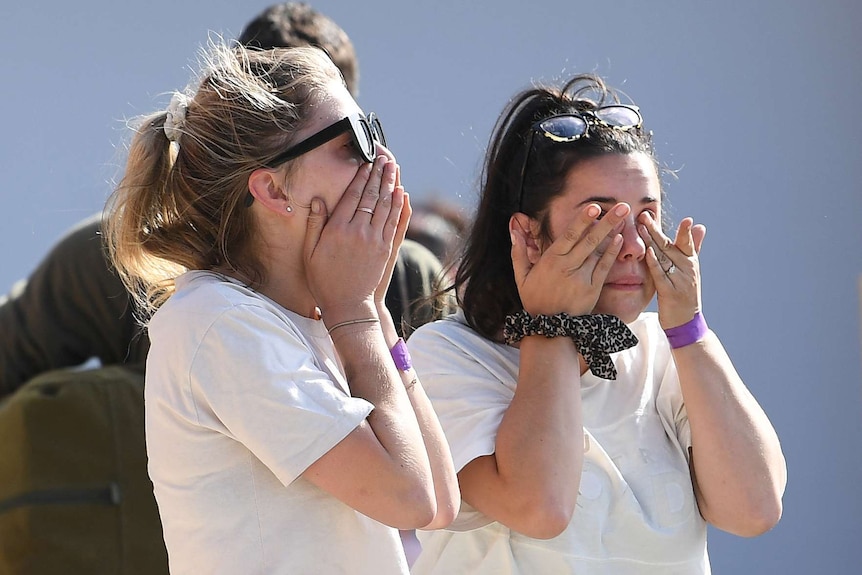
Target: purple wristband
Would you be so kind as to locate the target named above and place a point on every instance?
(401, 355)
(687, 333)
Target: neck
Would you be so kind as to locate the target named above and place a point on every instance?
(278, 245)
(286, 284)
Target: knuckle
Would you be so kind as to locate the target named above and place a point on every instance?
(592, 240)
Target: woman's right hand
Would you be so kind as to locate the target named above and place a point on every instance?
(346, 252)
(567, 276)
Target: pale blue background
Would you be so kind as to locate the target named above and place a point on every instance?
(756, 104)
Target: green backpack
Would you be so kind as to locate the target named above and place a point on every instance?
(75, 496)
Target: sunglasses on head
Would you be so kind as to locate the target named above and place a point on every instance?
(571, 127)
(365, 131)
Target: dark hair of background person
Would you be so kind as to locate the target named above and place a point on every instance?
(297, 24)
(485, 281)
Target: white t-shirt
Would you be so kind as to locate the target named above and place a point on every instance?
(636, 511)
(242, 396)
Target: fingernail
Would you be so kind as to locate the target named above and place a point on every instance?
(593, 211)
(315, 206)
(621, 210)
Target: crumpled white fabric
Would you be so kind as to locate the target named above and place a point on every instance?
(176, 116)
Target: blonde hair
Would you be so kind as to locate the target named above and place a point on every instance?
(180, 206)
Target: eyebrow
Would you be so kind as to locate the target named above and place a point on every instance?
(610, 200)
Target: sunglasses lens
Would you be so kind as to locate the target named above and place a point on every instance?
(363, 138)
(619, 116)
(368, 133)
(563, 128)
(376, 128)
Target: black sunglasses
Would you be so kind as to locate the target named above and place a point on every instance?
(567, 128)
(366, 132)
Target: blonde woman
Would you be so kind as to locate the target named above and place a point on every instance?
(258, 221)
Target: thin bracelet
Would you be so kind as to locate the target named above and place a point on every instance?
(412, 383)
(353, 322)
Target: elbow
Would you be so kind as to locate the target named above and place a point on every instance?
(544, 519)
(752, 522)
(761, 520)
(417, 508)
(447, 511)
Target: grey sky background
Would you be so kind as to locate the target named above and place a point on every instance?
(753, 103)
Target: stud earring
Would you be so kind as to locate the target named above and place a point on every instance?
(289, 208)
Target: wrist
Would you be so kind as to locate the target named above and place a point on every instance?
(596, 336)
(401, 356)
(688, 333)
(339, 313)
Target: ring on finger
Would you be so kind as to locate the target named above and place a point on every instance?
(671, 269)
(366, 210)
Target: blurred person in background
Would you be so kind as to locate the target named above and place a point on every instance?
(74, 308)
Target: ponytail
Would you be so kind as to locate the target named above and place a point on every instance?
(140, 212)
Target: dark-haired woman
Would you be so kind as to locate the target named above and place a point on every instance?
(589, 435)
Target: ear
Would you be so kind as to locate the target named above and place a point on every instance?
(528, 228)
(264, 185)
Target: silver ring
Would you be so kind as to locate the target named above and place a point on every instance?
(366, 210)
(671, 269)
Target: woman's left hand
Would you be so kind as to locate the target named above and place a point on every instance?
(675, 268)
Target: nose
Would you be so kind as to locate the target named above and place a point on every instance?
(633, 247)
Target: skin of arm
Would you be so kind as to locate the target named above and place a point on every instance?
(738, 469)
(530, 484)
(381, 468)
(446, 492)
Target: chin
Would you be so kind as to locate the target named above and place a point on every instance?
(627, 311)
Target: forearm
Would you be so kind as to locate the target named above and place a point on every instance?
(738, 467)
(372, 376)
(439, 457)
(446, 490)
(531, 482)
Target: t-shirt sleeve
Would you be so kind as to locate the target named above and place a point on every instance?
(469, 384)
(255, 379)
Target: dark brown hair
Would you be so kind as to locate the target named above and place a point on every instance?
(484, 281)
(294, 24)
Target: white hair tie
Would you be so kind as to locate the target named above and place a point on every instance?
(176, 117)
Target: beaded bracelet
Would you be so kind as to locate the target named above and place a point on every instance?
(688, 333)
(595, 335)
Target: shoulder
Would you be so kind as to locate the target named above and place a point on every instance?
(204, 300)
(451, 341)
(451, 328)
